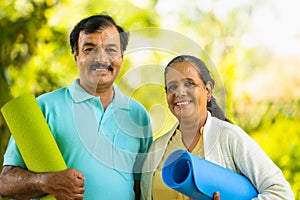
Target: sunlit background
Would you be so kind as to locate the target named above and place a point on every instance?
(252, 48)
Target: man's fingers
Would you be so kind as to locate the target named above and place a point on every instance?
(78, 174)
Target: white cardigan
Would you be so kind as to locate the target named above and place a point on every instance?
(229, 146)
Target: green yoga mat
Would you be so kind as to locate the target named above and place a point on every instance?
(32, 135)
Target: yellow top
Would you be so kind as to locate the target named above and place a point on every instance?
(159, 190)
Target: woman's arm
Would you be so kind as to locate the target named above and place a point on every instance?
(250, 160)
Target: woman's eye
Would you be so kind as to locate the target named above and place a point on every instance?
(188, 84)
(172, 88)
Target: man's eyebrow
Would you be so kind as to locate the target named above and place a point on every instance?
(89, 44)
(107, 45)
(111, 45)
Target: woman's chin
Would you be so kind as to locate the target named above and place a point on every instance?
(183, 115)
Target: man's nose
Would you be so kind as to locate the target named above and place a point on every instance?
(102, 56)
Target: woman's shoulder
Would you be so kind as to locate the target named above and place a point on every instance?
(229, 130)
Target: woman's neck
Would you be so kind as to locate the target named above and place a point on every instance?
(190, 134)
(190, 130)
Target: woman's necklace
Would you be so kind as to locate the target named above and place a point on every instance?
(194, 142)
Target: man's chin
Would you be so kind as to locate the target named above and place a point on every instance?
(104, 82)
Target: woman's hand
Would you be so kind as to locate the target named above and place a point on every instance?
(217, 196)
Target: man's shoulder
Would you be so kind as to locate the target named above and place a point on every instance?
(52, 96)
(136, 109)
(135, 105)
(134, 102)
(128, 101)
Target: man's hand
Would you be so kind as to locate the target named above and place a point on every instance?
(64, 185)
(18, 183)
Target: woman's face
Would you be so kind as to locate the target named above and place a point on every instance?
(186, 92)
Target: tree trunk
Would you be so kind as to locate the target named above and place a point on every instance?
(5, 96)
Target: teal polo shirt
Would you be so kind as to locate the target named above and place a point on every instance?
(107, 147)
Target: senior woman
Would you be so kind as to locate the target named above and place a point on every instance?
(203, 130)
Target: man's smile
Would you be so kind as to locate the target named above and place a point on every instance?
(101, 67)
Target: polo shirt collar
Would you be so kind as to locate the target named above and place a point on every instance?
(79, 94)
(120, 100)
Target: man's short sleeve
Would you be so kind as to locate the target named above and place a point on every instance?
(12, 155)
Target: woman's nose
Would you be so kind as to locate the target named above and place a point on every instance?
(181, 91)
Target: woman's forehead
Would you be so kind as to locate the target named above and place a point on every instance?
(182, 70)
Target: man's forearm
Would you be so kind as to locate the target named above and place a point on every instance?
(18, 183)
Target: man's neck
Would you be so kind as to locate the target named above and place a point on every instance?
(106, 95)
(104, 92)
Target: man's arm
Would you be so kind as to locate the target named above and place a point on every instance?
(18, 183)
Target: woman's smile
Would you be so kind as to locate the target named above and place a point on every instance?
(183, 103)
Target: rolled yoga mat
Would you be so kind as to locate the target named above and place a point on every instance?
(32, 135)
(199, 178)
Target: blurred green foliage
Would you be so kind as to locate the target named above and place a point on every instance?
(35, 57)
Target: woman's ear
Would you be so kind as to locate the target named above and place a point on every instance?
(209, 88)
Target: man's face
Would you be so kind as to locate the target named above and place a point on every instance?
(98, 58)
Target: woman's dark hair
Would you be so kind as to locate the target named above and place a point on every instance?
(97, 23)
(205, 76)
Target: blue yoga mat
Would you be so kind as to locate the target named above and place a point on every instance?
(198, 178)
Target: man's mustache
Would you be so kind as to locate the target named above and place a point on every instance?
(95, 66)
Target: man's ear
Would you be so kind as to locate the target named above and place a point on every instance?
(75, 57)
(121, 59)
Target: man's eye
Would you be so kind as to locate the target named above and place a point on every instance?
(88, 49)
(111, 51)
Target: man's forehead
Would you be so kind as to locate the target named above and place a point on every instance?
(109, 34)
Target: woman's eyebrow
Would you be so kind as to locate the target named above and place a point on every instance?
(187, 79)
(171, 82)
